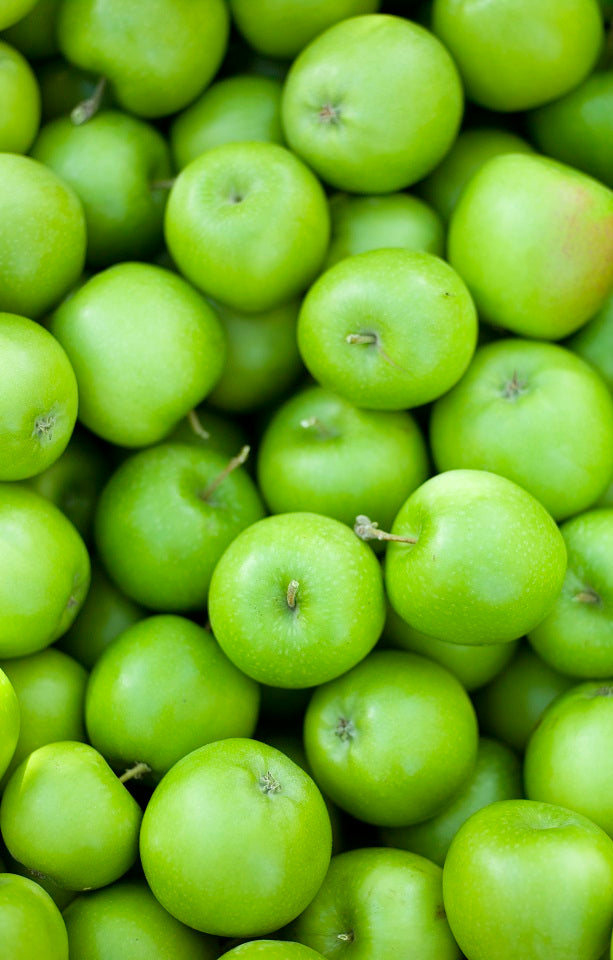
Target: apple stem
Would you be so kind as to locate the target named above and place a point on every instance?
(163, 184)
(346, 937)
(360, 338)
(314, 423)
(292, 589)
(195, 424)
(587, 596)
(86, 109)
(367, 529)
(135, 772)
(235, 462)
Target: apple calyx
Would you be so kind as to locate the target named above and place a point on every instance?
(587, 595)
(367, 529)
(317, 427)
(329, 114)
(269, 784)
(292, 590)
(195, 424)
(135, 773)
(345, 729)
(235, 462)
(514, 387)
(87, 108)
(43, 427)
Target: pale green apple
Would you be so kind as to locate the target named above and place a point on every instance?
(272, 950)
(10, 721)
(31, 926)
(20, 98)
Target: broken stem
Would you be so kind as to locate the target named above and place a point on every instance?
(135, 772)
(292, 589)
(195, 424)
(360, 338)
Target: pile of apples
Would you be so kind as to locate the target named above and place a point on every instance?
(306, 463)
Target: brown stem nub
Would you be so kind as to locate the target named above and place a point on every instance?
(367, 529)
(85, 110)
(360, 338)
(135, 773)
(235, 462)
(587, 596)
(194, 422)
(163, 184)
(292, 590)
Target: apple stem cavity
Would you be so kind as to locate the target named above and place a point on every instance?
(587, 596)
(292, 590)
(361, 338)
(269, 784)
(367, 529)
(348, 937)
(135, 773)
(235, 462)
(86, 109)
(195, 424)
(373, 340)
(315, 424)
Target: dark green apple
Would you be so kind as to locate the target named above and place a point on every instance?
(14, 10)
(63, 87)
(20, 98)
(34, 35)
(30, 923)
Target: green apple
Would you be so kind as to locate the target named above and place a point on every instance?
(165, 518)
(236, 839)
(392, 740)
(14, 10)
(50, 688)
(59, 895)
(126, 921)
(248, 224)
(530, 880)
(65, 814)
(577, 128)
(533, 239)
(243, 108)
(262, 357)
(145, 347)
(38, 398)
(20, 97)
(532, 412)
(158, 57)
(322, 454)
(63, 87)
(474, 559)
(296, 600)
(209, 430)
(10, 722)
(35, 34)
(388, 329)
(577, 636)
(594, 342)
(344, 106)
(116, 164)
(511, 706)
(496, 776)
(30, 923)
(517, 54)
(568, 757)
(42, 237)
(360, 224)
(272, 950)
(44, 572)
(443, 188)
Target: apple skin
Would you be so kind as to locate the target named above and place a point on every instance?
(145, 348)
(497, 776)
(533, 240)
(63, 85)
(20, 97)
(42, 237)
(125, 920)
(568, 758)
(157, 58)
(344, 104)
(248, 224)
(534, 413)
(10, 722)
(14, 10)
(236, 839)
(272, 950)
(30, 923)
(419, 312)
(488, 563)
(517, 54)
(392, 740)
(65, 814)
(530, 880)
(44, 572)
(34, 35)
(233, 110)
(38, 398)
(577, 636)
(594, 342)
(226, 436)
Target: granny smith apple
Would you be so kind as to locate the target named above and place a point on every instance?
(533, 239)
(14, 10)
(272, 950)
(236, 839)
(20, 97)
(392, 740)
(531, 880)
(145, 347)
(296, 600)
(44, 569)
(322, 454)
(117, 165)
(248, 224)
(165, 518)
(345, 104)
(517, 54)
(388, 329)
(360, 224)
(10, 721)
(594, 342)
(38, 398)
(64, 813)
(125, 920)
(535, 413)
(511, 706)
(30, 923)
(235, 109)
(42, 237)
(34, 35)
(496, 776)
(577, 636)
(158, 57)
(473, 559)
